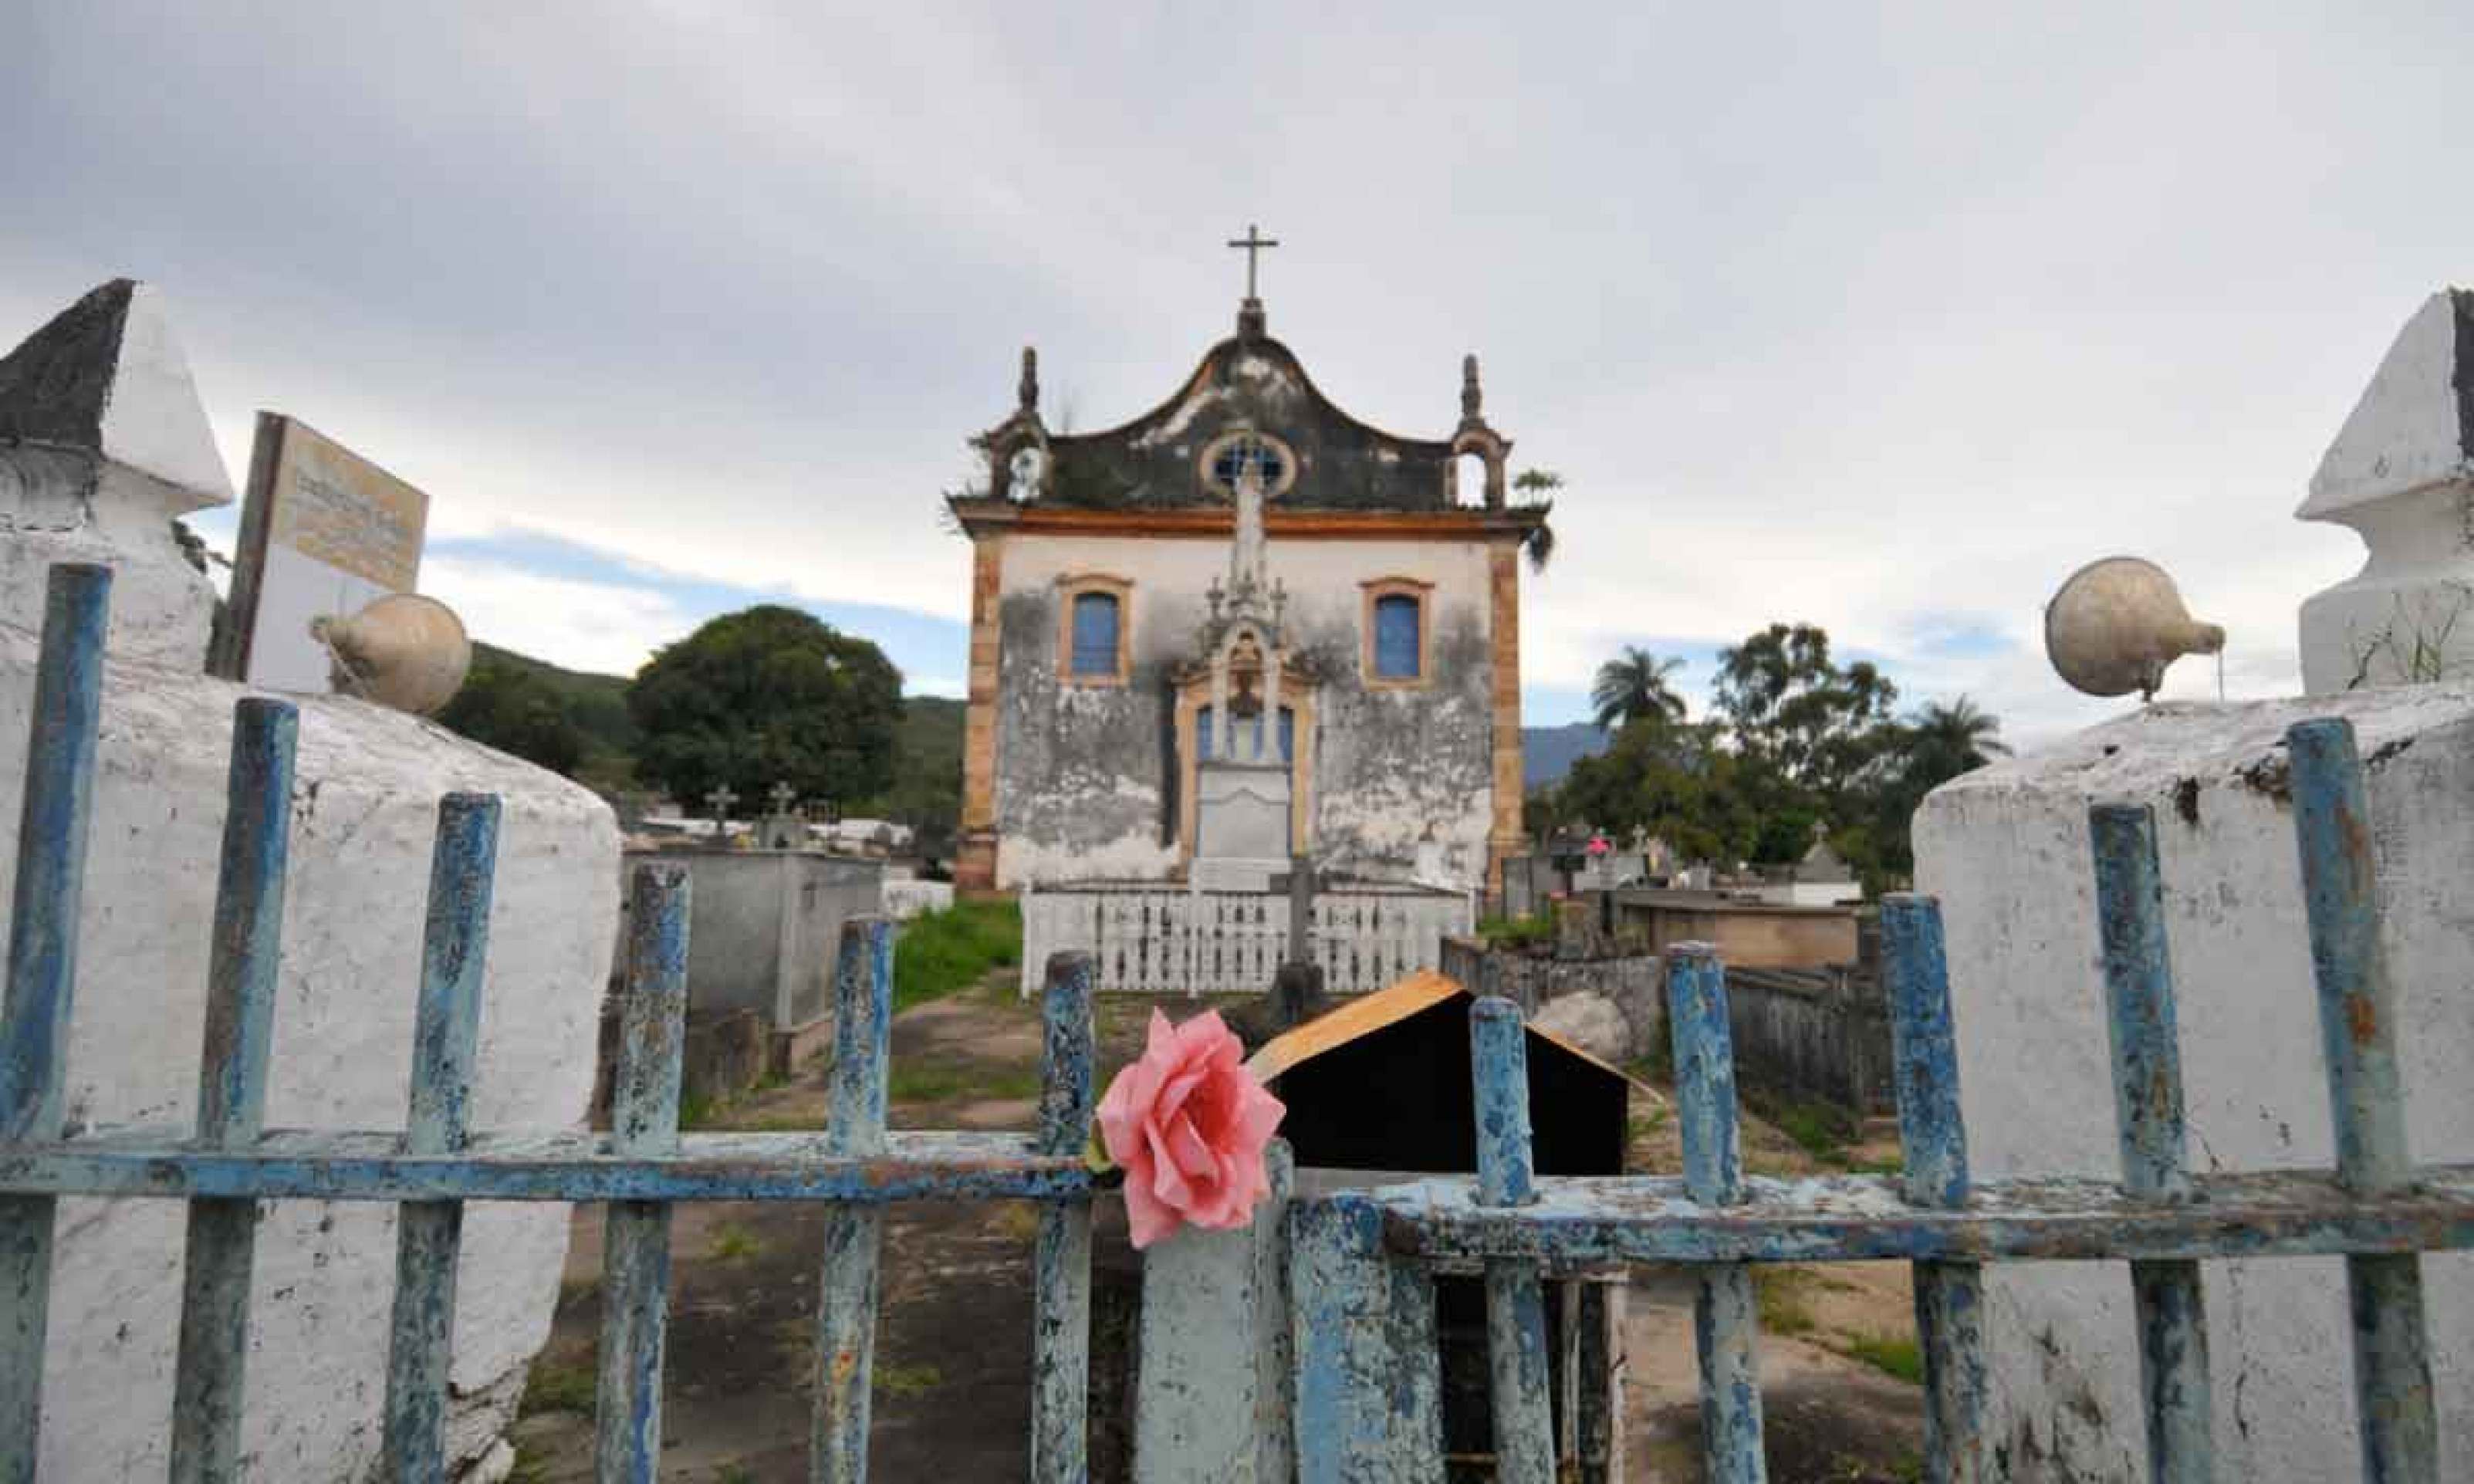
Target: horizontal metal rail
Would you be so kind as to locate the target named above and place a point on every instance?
(361, 1166)
(1582, 1222)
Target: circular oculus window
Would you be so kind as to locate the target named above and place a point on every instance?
(1228, 457)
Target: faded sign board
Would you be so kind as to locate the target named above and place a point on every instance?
(324, 531)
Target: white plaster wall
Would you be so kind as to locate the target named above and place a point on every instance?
(364, 812)
(1324, 582)
(61, 507)
(2006, 850)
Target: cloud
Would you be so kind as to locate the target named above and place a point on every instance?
(1866, 319)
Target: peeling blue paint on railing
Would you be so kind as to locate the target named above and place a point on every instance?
(1515, 1306)
(2358, 1004)
(1363, 1358)
(2166, 1295)
(636, 1234)
(210, 1379)
(43, 975)
(1933, 1140)
(228, 1163)
(1726, 1316)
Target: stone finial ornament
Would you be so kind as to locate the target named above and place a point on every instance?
(2401, 474)
(2118, 623)
(403, 650)
(1473, 396)
(1027, 394)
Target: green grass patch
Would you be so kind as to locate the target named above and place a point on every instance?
(943, 953)
(557, 1386)
(696, 1110)
(731, 1243)
(904, 1380)
(1516, 931)
(1782, 1295)
(1898, 1356)
(530, 1467)
(943, 1081)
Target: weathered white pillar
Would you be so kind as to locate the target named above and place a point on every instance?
(103, 443)
(1211, 1404)
(2401, 474)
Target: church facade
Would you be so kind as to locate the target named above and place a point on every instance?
(1243, 625)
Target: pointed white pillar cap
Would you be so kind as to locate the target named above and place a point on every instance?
(106, 377)
(2414, 427)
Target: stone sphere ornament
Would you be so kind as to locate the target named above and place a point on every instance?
(2118, 623)
(403, 650)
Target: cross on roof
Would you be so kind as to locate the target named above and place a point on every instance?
(720, 801)
(1253, 242)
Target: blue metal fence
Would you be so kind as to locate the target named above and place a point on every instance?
(1366, 1400)
(1366, 1377)
(437, 1162)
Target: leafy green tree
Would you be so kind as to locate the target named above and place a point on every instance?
(1935, 745)
(1633, 685)
(1793, 712)
(768, 695)
(510, 707)
(1670, 779)
(1537, 486)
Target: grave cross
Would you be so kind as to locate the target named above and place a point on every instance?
(720, 801)
(1253, 242)
(782, 794)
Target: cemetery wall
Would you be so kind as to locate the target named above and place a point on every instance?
(1747, 933)
(765, 925)
(364, 815)
(2006, 850)
(1088, 778)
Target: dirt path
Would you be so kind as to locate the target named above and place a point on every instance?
(952, 1402)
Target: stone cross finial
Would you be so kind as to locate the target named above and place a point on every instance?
(1027, 393)
(783, 796)
(1250, 323)
(720, 801)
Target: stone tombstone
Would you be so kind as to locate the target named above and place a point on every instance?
(324, 531)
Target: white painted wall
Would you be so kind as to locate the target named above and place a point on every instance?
(2006, 850)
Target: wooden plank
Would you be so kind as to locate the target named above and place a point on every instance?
(847, 1288)
(1515, 1311)
(643, 1118)
(2358, 1013)
(1726, 1319)
(1932, 1135)
(2147, 1112)
(1368, 1409)
(211, 1377)
(42, 974)
(1060, 1349)
(446, 1029)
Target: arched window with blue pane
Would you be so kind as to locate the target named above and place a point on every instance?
(1094, 640)
(1399, 637)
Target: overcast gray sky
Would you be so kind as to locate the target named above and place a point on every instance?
(1883, 319)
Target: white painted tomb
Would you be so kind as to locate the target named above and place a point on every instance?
(98, 479)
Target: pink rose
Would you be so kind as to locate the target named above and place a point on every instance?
(1187, 1124)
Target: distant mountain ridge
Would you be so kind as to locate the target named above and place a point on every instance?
(1549, 752)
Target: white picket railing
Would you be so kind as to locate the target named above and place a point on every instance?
(1166, 940)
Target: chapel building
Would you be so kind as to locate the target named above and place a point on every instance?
(1243, 625)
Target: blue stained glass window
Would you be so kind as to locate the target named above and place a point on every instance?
(1248, 452)
(1206, 737)
(1396, 650)
(1095, 633)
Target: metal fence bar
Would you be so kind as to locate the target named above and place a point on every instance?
(643, 1119)
(446, 1029)
(1061, 1333)
(1932, 1138)
(847, 1291)
(2147, 1110)
(1515, 1309)
(209, 1382)
(1369, 1372)
(2357, 1010)
(1726, 1319)
(43, 975)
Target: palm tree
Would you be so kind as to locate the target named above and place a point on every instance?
(1634, 685)
(1943, 742)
